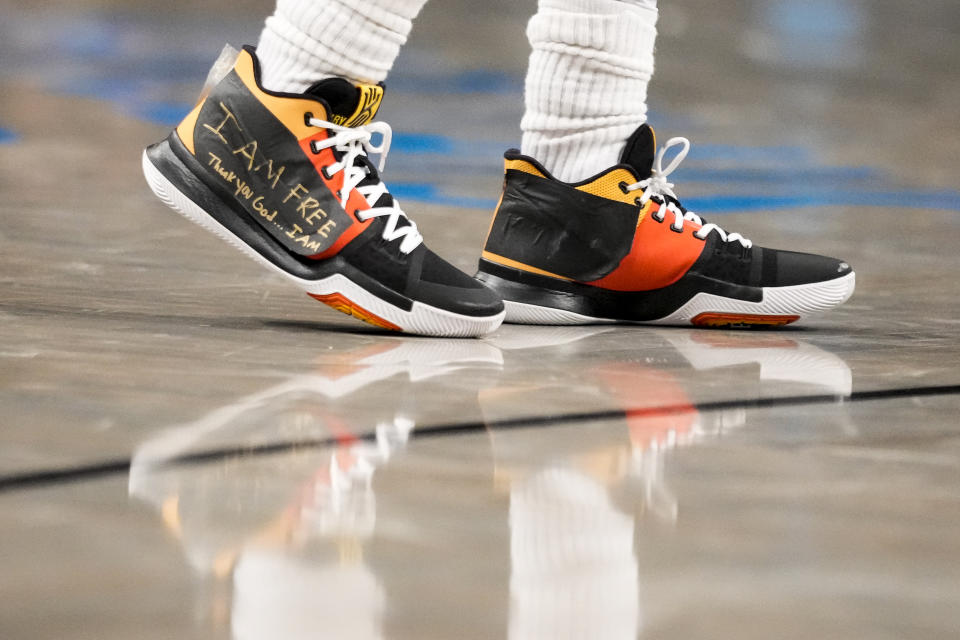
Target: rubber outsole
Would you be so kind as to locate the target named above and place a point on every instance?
(778, 306)
(337, 291)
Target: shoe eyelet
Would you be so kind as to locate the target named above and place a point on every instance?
(675, 230)
(323, 170)
(623, 187)
(313, 147)
(637, 202)
(307, 117)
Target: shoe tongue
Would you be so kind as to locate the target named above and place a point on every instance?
(350, 105)
(639, 151)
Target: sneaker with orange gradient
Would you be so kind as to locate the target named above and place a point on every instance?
(286, 178)
(619, 247)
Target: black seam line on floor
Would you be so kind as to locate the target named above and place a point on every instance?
(110, 467)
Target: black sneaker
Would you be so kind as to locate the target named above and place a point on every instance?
(619, 247)
(286, 179)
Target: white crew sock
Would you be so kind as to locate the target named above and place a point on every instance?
(586, 87)
(308, 40)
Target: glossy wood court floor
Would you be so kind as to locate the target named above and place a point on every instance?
(190, 448)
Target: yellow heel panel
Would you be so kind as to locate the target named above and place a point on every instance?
(522, 165)
(187, 125)
(608, 186)
(507, 262)
(493, 219)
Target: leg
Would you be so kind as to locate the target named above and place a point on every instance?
(586, 87)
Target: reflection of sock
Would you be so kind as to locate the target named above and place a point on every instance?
(308, 40)
(280, 594)
(586, 88)
(573, 569)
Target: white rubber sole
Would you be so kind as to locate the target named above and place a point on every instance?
(337, 291)
(780, 305)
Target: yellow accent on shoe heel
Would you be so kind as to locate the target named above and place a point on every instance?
(187, 125)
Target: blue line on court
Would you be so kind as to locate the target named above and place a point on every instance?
(168, 114)
(912, 199)
(101, 56)
(718, 205)
(422, 143)
(786, 177)
(779, 176)
(764, 156)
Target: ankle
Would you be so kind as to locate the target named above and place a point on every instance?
(305, 41)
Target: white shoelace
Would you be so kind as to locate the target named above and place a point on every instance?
(354, 142)
(657, 186)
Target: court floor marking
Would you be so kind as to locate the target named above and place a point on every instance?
(46, 477)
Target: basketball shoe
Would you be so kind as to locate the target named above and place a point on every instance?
(286, 178)
(619, 247)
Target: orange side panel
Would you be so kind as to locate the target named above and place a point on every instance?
(658, 258)
(355, 202)
(344, 305)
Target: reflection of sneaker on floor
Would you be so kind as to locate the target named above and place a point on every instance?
(621, 247)
(658, 397)
(318, 490)
(510, 338)
(286, 179)
(781, 360)
(325, 402)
